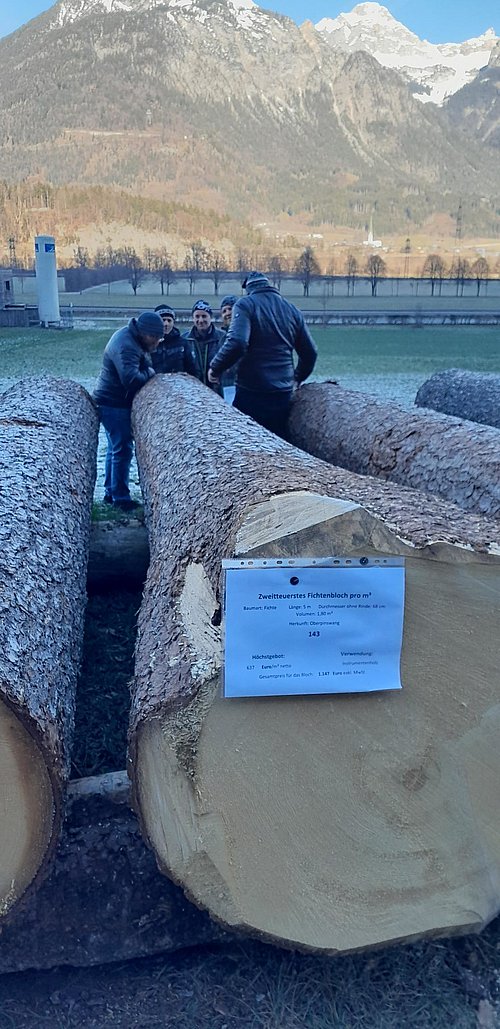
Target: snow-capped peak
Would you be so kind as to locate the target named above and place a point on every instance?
(71, 10)
(436, 69)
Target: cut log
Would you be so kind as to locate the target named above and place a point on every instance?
(456, 459)
(332, 823)
(472, 395)
(48, 440)
(119, 555)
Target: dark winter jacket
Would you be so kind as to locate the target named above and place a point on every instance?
(174, 354)
(204, 350)
(125, 368)
(265, 331)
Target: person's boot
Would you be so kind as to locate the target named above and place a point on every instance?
(126, 505)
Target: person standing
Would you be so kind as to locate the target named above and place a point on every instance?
(229, 378)
(265, 332)
(205, 341)
(126, 367)
(226, 310)
(174, 354)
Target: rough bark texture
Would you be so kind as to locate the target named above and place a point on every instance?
(119, 555)
(48, 439)
(458, 460)
(332, 823)
(104, 899)
(472, 395)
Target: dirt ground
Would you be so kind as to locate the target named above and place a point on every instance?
(436, 985)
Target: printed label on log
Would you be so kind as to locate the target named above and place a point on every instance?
(294, 628)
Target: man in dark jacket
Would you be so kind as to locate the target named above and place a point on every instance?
(205, 340)
(265, 331)
(126, 367)
(174, 353)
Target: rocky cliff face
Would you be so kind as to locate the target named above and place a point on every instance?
(219, 102)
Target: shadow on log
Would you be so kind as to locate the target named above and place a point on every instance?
(472, 395)
(331, 823)
(48, 439)
(458, 460)
(119, 555)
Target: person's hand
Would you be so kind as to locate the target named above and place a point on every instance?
(213, 378)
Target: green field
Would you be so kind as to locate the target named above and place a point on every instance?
(391, 362)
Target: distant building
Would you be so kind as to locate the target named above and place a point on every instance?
(371, 242)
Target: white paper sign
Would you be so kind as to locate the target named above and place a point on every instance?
(307, 630)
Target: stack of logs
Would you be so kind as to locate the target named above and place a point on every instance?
(332, 823)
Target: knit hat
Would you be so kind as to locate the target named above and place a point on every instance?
(201, 305)
(255, 279)
(228, 301)
(165, 309)
(150, 324)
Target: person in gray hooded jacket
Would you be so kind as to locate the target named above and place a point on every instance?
(126, 367)
(265, 332)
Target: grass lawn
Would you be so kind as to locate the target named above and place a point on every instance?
(76, 353)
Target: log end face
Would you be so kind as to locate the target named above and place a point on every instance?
(27, 809)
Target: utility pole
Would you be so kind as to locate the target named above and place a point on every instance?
(12, 252)
(459, 226)
(407, 252)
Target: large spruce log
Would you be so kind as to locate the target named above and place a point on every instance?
(456, 459)
(332, 823)
(471, 395)
(48, 440)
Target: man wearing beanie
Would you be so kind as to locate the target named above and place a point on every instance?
(204, 340)
(229, 378)
(126, 367)
(264, 333)
(174, 353)
(226, 309)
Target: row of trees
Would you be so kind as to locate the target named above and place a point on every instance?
(109, 264)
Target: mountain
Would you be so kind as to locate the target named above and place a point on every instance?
(475, 109)
(434, 71)
(224, 105)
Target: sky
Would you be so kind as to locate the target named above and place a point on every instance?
(439, 21)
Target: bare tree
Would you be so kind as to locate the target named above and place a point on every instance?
(134, 268)
(307, 268)
(460, 271)
(481, 272)
(375, 270)
(217, 267)
(433, 270)
(149, 259)
(163, 270)
(351, 271)
(242, 264)
(276, 267)
(194, 263)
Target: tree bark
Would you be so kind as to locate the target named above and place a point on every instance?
(332, 823)
(458, 460)
(48, 440)
(471, 395)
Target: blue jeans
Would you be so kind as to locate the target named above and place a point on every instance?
(118, 428)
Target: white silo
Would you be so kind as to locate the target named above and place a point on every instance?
(46, 280)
